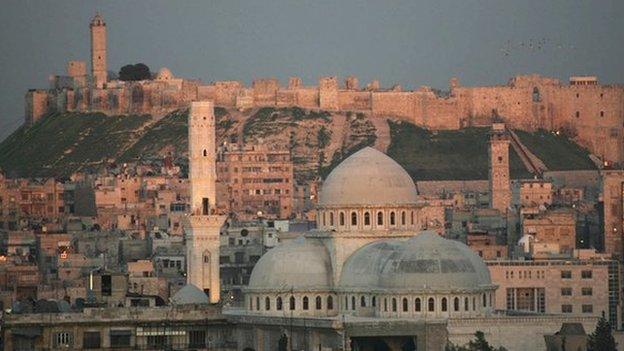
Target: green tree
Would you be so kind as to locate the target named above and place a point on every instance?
(478, 344)
(601, 339)
(139, 71)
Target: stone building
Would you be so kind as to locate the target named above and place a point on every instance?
(613, 202)
(500, 186)
(553, 227)
(535, 193)
(256, 182)
(486, 245)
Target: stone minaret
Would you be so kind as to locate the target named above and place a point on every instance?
(98, 51)
(500, 188)
(204, 222)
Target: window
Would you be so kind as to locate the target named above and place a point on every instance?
(417, 304)
(362, 301)
(404, 305)
(394, 304)
(267, 303)
(431, 304)
(374, 301)
(601, 113)
(456, 304)
(366, 218)
(106, 288)
(292, 303)
(205, 153)
(577, 114)
(197, 339)
(379, 218)
(588, 308)
(385, 304)
(331, 219)
(278, 304)
(305, 303)
(484, 301)
(91, 340)
(257, 303)
(403, 215)
(353, 218)
(63, 339)
(587, 291)
(444, 304)
(330, 303)
(319, 303)
(120, 338)
(392, 218)
(586, 274)
(566, 274)
(566, 308)
(466, 307)
(566, 291)
(353, 303)
(342, 219)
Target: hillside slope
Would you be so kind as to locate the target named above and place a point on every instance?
(65, 143)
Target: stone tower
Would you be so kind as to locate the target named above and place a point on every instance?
(98, 51)
(204, 222)
(500, 188)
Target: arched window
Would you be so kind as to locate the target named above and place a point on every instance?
(374, 301)
(404, 305)
(342, 219)
(330, 303)
(292, 303)
(353, 303)
(362, 301)
(466, 307)
(346, 305)
(444, 305)
(366, 218)
(353, 218)
(205, 153)
(319, 303)
(536, 95)
(431, 304)
(267, 303)
(417, 304)
(392, 218)
(305, 303)
(257, 303)
(474, 304)
(250, 303)
(278, 304)
(331, 219)
(324, 219)
(484, 301)
(412, 217)
(490, 299)
(379, 218)
(394, 305)
(385, 304)
(403, 216)
(456, 304)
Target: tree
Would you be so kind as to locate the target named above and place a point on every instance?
(139, 71)
(478, 344)
(601, 339)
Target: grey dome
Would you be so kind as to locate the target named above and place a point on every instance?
(368, 177)
(424, 262)
(189, 294)
(302, 263)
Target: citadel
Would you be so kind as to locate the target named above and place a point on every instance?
(592, 113)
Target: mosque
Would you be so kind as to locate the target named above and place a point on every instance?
(372, 276)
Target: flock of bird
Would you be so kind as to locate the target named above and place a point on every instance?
(533, 46)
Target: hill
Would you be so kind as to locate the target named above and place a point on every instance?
(62, 144)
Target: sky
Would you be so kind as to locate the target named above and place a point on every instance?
(410, 42)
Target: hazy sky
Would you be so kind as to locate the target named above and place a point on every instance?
(408, 42)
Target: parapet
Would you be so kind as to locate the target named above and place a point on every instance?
(583, 80)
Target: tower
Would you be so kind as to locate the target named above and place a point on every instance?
(204, 223)
(98, 51)
(613, 201)
(500, 188)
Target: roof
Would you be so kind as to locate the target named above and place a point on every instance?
(189, 294)
(368, 177)
(302, 263)
(426, 261)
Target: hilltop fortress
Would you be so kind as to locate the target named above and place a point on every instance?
(583, 108)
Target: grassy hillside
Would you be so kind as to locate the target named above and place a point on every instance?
(65, 143)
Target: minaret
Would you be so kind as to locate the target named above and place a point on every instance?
(204, 222)
(98, 51)
(500, 188)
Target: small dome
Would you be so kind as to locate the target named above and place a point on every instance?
(424, 262)
(302, 263)
(164, 74)
(189, 295)
(97, 20)
(368, 177)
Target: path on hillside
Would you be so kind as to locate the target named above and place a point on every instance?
(531, 162)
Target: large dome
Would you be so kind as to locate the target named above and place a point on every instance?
(302, 263)
(426, 262)
(368, 177)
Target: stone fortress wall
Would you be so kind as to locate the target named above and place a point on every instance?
(593, 112)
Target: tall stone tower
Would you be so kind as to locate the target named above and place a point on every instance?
(204, 222)
(613, 200)
(500, 188)
(98, 51)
